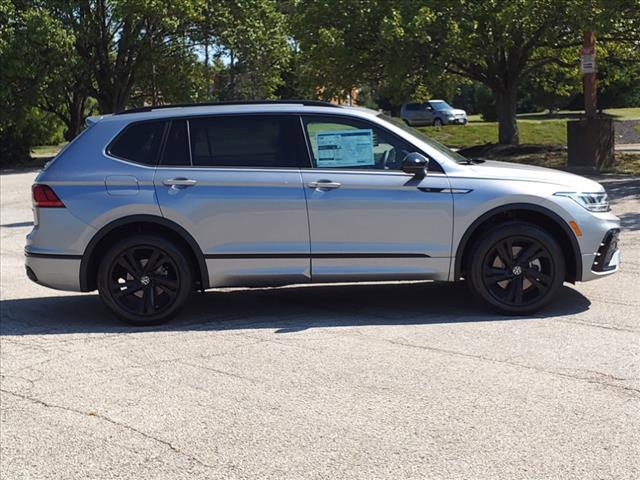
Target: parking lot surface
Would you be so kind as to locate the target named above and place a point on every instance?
(397, 381)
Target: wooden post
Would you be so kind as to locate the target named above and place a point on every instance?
(590, 141)
(588, 67)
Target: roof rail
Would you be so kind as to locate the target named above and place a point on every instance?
(306, 103)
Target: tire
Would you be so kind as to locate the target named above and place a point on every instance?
(142, 295)
(407, 122)
(516, 268)
(437, 122)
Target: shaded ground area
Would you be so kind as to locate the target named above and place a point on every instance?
(627, 132)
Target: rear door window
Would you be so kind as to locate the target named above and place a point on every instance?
(176, 148)
(260, 141)
(139, 142)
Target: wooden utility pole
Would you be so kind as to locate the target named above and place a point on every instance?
(588, 70)
(590, 141)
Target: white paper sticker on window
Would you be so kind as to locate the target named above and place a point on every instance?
(345, 148)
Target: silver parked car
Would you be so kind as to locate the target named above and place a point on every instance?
(433, 112)
(151, 204)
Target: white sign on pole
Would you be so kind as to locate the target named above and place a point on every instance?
(587, 60)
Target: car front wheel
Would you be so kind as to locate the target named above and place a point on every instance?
(516, 268)
(145, 279)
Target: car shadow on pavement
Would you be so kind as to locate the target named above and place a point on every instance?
(287, 309)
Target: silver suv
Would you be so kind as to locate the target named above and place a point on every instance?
(151, 204)
(433, 112)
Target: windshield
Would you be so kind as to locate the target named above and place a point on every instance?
(440, 105)
(421, 136)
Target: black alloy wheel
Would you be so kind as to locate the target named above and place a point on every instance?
(516, 268)
(144, 280)
(518, 271)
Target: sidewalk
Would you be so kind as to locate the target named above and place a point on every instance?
(628, 147)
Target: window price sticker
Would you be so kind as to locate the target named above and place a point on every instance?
(345, 148)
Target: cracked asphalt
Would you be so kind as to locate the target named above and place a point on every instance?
(394, 381)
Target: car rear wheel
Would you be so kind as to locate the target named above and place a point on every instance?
(145, 279)
(516, 268)
(437, 122)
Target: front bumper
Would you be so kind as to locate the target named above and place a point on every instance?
(61, 272)
(456, 121)
(605, 261)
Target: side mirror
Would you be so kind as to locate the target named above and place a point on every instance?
(416, 164)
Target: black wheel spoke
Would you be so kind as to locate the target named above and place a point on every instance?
(151, 263)
(149, 299)
(511, 291)
(505, 254)
(519, 287)
(530, 254)
(130, 269)
(537, 278)
(496, 275)
(130, 288)
(167, 284)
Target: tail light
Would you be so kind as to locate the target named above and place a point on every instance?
(45, 197)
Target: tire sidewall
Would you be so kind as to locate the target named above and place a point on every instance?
(177, 255)
(501, 232)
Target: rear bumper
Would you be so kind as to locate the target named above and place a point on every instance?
(61, 272)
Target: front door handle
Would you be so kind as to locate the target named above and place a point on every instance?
(179, 182)
(324, 184)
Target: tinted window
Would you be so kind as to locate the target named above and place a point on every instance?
(139, 142)
(346, 143)
(247, 141)
(413, 106)
(176, 149)
(440, 105)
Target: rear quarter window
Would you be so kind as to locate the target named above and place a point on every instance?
(139, 142)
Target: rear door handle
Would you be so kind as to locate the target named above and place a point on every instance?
(324, 184)
(179, 182)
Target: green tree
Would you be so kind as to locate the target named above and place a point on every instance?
(32, 45)
(250, 38)
(341, 46)
(115, 38)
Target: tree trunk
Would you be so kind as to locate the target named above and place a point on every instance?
(76, 116)
(506, 110)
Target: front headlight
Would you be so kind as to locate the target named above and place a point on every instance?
(592, 201)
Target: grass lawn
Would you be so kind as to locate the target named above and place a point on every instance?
(550, 131)
(615, 113)
(46, 150)
(535, 128)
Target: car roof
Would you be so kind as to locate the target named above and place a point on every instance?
(175, 111)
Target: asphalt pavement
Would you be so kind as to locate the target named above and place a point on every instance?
(394, 381)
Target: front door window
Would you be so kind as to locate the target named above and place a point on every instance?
(350, 144)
